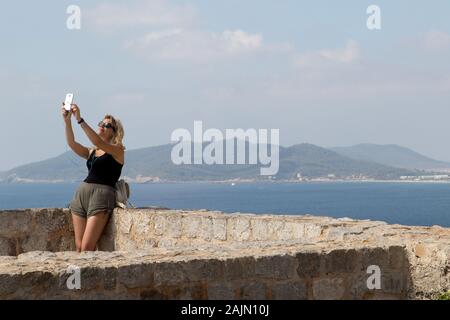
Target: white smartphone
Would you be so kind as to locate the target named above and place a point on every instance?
(68, 102)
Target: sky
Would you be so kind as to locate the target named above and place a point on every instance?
(311, 69)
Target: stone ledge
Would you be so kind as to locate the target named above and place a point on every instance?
(178, 254)
(206, 274)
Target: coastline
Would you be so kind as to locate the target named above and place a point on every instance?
(243, 181)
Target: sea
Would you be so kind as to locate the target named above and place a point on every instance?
(424, 204)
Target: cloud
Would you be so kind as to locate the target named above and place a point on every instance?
(435, 40)
(344, 73)
(141, 13)
(363, 81)
(194, 45)
(162, 30)
(348, 54)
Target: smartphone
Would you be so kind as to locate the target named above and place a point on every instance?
(68, 102)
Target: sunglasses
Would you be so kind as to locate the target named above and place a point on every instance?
(106, 125)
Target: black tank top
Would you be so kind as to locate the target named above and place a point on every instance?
(103, 170)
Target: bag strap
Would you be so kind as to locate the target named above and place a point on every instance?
(91, 158)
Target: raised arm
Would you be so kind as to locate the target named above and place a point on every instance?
(79, 149)
(116, 151)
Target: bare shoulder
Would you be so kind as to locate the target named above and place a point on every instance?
(120, 155)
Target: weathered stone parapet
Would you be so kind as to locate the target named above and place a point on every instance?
(294, 272)
(30, 230)
(177, 254)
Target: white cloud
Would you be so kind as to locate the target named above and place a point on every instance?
(194, 45)
(144, 13)
(350, 53)
(238, 41)
(344, 73)
(435, 40)
(362, 81)
(164, 30)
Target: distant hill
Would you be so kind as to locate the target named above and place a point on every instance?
(314, 161)
(392, 155)
(307, 159)
(66, 167)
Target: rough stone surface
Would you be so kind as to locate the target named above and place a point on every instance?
(177, 254)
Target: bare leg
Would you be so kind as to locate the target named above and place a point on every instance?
(79, 225)
(94, 230)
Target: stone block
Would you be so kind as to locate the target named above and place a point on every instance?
(260, 229)
(340, 261)
(15, 223)
(7, 247)
(275, 267)
(159, 224)
(221, 291)
(239, 268)
(308, 264)
(142, 225)
(36, 241)
(136, 275)
(394, 283)
(110, 275)
(51, 220)
(91, 278)
(170, 273)
(220, 229)
(206, 231)
(9, 284)
(191, 226)
(397, 257)
(204, 269)
(291, 290)
(357, 285)
(240, 229)
(153, 294)
(173, 226)
(328, 288)
(125, 223)
(254, 291)
(378, 256)
(312, 231)
(276, 228)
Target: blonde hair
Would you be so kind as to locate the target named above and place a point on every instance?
(119, 133)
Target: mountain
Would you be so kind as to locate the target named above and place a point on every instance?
(66, 167)
(392, 155)
(307, 159)
(314, 161)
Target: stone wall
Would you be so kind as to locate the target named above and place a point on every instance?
(176, 254)
(29, 230)
(293, 272)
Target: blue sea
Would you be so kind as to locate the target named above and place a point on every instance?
(404, 203)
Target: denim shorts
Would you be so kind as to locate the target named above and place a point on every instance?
(93, 198)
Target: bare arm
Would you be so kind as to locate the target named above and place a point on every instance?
(79, 149)
(116, 151)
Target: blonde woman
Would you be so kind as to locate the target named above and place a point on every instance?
(94, 200)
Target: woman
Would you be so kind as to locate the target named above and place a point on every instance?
(94, 200)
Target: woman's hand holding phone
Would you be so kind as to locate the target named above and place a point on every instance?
(76, 112)
(65, 114)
